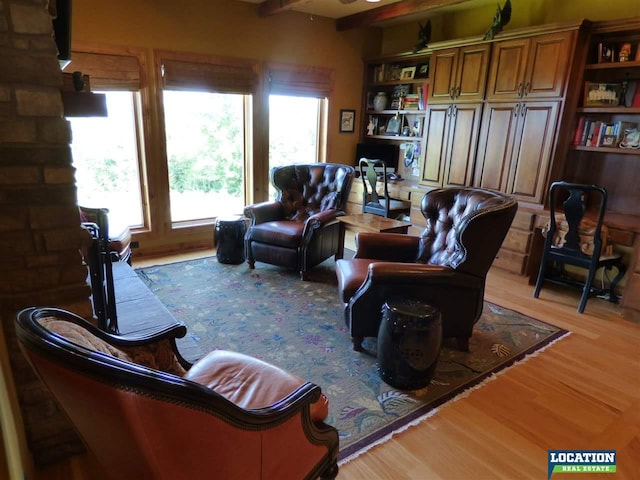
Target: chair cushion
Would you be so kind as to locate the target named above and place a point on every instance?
(155, 355)
(282, 232)
(248, 382)
(81, 337)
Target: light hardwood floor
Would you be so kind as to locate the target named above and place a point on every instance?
(581, 393)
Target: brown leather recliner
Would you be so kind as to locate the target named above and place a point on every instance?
(299, 229)
(445, 267)
(143, 415)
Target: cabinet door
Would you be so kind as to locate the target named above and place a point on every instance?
(434, 154)
(496, 145)
(471, 77)
(443, 73)
(508, 67)
(532, 151)
(462, 142)
(547, 65)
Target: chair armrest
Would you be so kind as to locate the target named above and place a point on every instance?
(319, 220)
(263, 212)
(392, 247)
(419, 274)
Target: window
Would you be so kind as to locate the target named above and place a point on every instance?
(105, 156)
(207, 110)
(294, 131)
(297, 115)
(107, 151)
(205, 153)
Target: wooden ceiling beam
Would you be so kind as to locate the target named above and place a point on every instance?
(272, 7)
(393, 11)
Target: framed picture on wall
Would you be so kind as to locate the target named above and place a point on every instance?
(347, 121)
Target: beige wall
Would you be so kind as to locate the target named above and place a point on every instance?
(233, 29)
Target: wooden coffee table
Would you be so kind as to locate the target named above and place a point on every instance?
(368, 222)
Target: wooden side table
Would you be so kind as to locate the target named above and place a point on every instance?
(368, 222)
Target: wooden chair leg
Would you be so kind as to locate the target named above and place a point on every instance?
(357, 344)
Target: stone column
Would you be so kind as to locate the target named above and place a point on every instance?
(40, 233)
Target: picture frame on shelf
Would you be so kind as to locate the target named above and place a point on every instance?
(394, 125)
(606, 52)
(422, 71)
(347, 121)
(407, 73)
(601, 94)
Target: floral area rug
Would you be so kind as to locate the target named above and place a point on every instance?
(271, 314)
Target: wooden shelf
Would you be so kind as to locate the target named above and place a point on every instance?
(399, 138)
(393, 112)
(605, 110)
(411, 81)
(612, 65)
(621, 151)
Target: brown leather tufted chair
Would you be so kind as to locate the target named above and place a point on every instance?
(144, 415)
(299, 229)
(445, 267)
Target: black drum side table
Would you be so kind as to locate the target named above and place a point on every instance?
(229, 239)
(409, 342)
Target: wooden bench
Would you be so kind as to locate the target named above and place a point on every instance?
(140, 313)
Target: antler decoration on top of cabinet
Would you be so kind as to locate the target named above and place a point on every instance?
(424, 35)
(500, 19)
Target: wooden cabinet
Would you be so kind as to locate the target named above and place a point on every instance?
(515, 147)
(459, 73)
(530, 68)
(452, 138)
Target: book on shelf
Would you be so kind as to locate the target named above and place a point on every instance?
(577, 135)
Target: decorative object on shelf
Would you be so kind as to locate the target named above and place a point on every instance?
(393, 126)
(601, 94)
(424, 35)
(625, 52)
(397, 97)
(347, 121)
(500, 20)
(371, 127)
(408, 73)
(409, 151)
(415, 129)
(422, 71)
(606, 52)
(380, 101)
(631, 139)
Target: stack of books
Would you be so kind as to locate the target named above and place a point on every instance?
(412, 101)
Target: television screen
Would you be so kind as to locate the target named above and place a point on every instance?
(387, 152)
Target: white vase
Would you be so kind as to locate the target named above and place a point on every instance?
(380, 101)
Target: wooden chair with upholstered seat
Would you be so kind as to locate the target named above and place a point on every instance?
(374, 172)
(580, 244)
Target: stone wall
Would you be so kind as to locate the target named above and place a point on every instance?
(40, 234)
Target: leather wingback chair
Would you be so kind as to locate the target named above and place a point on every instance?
(144, 415)
(445, 267)
(299, 229)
